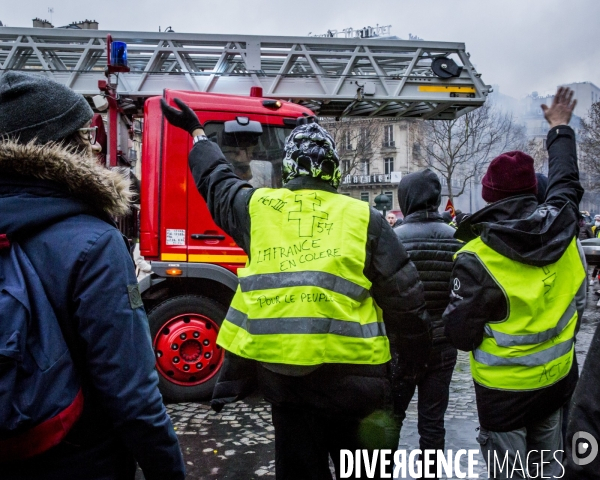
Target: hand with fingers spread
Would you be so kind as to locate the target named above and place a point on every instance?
(185, 118)
(562, 107)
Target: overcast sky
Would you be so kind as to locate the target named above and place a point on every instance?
(520, 45)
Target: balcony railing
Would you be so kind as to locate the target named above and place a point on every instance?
(391, 144)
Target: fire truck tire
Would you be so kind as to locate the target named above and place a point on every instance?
(184, 331)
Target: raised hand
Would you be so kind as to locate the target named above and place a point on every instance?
(185, 118)
(562, 107)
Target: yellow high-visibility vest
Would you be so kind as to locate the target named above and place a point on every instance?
(303, 298)
(533, 346)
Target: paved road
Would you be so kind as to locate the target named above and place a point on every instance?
(238, 443)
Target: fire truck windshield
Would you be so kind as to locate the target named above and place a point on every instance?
(257, 159)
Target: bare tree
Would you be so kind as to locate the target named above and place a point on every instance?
(356, 140)
(460, 149)
(536, 149)
(589, 145)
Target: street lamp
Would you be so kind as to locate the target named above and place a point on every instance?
(383, 203)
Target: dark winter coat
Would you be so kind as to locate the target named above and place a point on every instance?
(584, 415)
(585, 231)
(57, 205)
(430, 244)
(538, 235)
(396, 289)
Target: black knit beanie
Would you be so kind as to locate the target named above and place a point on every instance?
(33, 106)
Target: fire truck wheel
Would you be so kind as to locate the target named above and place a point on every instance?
(184, 333)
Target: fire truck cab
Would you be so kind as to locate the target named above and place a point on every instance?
(194, 262)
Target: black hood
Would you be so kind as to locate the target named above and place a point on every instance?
(419, 191)
(522, 230)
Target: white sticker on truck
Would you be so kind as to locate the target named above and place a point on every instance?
(175, 237)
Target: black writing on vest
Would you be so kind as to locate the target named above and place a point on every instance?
(316, 297)
(307, 213)
(263, 300)
(274, 253)
(275, 203)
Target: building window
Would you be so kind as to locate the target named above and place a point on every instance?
(388, 165)
(364, 196)
(388, 136)
(365, 167)
(347, 140)
(364, 138)
(345, 167)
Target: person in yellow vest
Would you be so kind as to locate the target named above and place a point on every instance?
(595, 229)
(518, 291)
(326, 287)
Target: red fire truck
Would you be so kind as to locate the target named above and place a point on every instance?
(234, 84)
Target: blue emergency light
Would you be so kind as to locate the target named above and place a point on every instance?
(118, 54)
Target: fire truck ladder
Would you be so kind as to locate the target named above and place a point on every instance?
(332, 76)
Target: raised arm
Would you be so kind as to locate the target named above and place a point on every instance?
(563, 173)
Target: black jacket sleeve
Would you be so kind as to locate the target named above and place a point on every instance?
(584, 416)
(471, 288)
(563, 173)
(226, 195)
(398, 291)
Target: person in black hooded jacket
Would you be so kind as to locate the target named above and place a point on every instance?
(521, 334)
(431, 245)
(319, 406)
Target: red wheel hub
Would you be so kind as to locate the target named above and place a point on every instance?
(186, 349)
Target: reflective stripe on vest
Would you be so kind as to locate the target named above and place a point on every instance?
(303, 298)
(533, 347)
(304, 325)
(326, 280)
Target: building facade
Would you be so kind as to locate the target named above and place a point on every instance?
(375, 154)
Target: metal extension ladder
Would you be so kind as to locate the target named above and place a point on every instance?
(332, 76)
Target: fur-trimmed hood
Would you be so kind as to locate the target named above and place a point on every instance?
(78, 174)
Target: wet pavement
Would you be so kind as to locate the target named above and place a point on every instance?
(238, 443)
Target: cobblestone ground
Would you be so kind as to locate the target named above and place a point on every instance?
(238, 443)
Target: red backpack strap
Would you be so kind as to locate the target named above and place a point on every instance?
(44, 436)
(4, 242)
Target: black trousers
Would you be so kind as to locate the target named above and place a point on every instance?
(306, 438)
(434, 393)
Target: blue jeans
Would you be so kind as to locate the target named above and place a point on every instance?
(536, 443)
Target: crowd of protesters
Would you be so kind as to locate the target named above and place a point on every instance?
(506, 283)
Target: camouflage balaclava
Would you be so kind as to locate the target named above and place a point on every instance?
(310, 151)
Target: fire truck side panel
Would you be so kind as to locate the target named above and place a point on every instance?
(173, 194)
(151, 141)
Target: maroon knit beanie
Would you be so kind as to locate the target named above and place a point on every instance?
(508, 175)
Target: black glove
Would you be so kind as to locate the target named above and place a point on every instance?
(185, 118)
